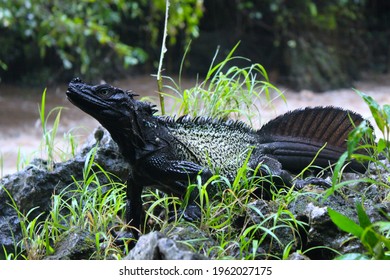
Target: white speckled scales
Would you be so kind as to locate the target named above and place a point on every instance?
(221, 146)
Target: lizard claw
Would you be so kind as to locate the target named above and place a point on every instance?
(191, 213)
(125, 237)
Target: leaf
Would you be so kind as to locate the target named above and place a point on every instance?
(337, 169)
(386, 112)
(3, 65)
(42, 111)
(369, 236)
(345, 223)
(364, 220)
(382, 144)
(313, 9)
(374, 108)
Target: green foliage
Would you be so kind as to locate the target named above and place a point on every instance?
(318, 44)
(325, 16)
(184, 15)
(86, 35)
(32, 244)
(50, 123)
(374, 236)
(363, 138)
(95, 206)
(73, 29)
(226, 91)
(223, 205)
(88, 204)
(381, 116)
(49, 135)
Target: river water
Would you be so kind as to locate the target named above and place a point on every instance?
(21, 132)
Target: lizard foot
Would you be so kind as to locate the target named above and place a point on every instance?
(191, 213)
(124, 238)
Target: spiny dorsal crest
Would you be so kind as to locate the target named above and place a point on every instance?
(204, 120)
(323, 124)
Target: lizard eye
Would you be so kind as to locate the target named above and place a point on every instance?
(105, 92)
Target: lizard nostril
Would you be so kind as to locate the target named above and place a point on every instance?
(76, 80)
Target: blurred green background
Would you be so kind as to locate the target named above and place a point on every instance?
(305, 44)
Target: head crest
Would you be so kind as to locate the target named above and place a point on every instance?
(131, 93)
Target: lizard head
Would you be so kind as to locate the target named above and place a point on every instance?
(105, 102)
(115, 108)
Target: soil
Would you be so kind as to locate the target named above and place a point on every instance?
(21, 132)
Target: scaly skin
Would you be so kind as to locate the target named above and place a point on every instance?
(169, 154)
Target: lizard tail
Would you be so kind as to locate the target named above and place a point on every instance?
(295, 138)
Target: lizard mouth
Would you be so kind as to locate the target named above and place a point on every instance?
(84, 97)
(72, 91)
(68, 93)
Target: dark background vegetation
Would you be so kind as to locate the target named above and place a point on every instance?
(304, 44)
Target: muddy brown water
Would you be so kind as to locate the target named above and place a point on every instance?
(21, 133)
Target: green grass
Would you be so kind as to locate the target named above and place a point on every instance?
(234, 203)
(86, 204)
(49, 148)
(229, 206)
(226, 91)
(374, 236)
(238, 228)
(49, 135)
(377, 150)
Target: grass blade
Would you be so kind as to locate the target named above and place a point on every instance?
(345, 223)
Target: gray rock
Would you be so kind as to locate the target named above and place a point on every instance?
(34, 186)
(321, 231)
(77, 244)
(296, 256)
(198, 239)
(156, 246)
(261, 214)
(312, 209)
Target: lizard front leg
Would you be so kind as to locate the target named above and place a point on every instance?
(133, 205)
(170, 176)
